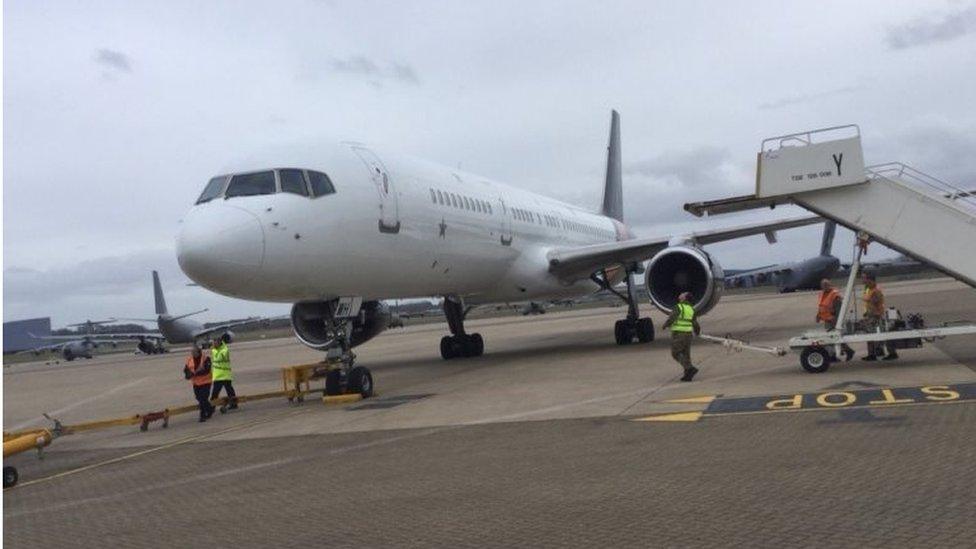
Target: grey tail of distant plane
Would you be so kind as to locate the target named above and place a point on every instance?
(158, 294)
(827, 244)
(613, 193)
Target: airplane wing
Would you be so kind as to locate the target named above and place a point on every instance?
(575, 263)
(214, 330)
(42, 348)
(768, 270)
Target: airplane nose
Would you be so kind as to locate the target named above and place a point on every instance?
(221, 247)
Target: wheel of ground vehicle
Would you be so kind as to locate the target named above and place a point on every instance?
(333, 382)
(645, 330)
(10, 476)
(815, 360)
(361, 381)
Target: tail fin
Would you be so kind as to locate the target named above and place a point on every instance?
(613, 196)
(827, 243)
(158, 294)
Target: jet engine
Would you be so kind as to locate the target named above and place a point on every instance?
(687, 268)
(314, 323)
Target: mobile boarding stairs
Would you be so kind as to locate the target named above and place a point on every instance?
(894, 204)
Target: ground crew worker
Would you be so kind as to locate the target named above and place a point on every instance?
(874, 312)
(828, 308)
(683, 325)
(222, 375)
(197, 370)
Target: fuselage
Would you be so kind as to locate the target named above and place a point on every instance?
(178, 330)
(394, 227)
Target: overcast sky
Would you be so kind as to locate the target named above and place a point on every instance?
(117, 113)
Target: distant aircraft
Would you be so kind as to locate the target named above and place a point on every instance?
(790, 277)
(77, 346)
(328, 228)
(179, 329)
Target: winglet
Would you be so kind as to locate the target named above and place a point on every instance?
(158, 294)
(613, 197)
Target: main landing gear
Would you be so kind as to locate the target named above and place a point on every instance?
(459, 344)
(626, 330)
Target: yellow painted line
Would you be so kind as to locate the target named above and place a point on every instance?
(341, 399)
(677, 416)
(150, 451)
(705, 399)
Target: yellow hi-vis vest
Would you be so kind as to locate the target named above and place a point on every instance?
(683, 322)
(220, 363)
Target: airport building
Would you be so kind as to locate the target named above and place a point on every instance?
(17, 334)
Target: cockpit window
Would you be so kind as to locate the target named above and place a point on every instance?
(293, 181)
(320, 184)
(213, 189)
(251, 184)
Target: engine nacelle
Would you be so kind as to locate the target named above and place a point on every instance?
(684, 269)
(312, 323)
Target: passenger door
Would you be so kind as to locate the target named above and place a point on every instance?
(506, 227)
(389, 221)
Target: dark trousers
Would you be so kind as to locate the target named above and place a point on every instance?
(681, 348)
(202, 394)
(873, 324)
(231, 395)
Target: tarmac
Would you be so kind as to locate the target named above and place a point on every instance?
(555, 437)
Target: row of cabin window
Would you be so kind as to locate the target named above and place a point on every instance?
(553, 221)
(584, 228)
(289, 180)
(460, 201)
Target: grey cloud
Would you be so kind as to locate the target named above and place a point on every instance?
(374, 72)
(928, 30)
(404, 73)
(114, 60)
(655, 189)
(356, 64)
(806, 98)
(944, 152)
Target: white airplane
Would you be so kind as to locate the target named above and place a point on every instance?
(311, 226)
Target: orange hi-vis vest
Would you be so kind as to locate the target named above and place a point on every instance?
(825, 309)
(193, 367)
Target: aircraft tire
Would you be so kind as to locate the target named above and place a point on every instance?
(621, 332)
(10, 476)
(333, 382)
(447, 348)
(645, 330)
(476, 345)
(815, 360)
(361, 381)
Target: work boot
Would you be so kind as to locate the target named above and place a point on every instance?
(203, 418)
(848, 354)
(689, 374)
(232, 405)
(891, 356)
(869, 358)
